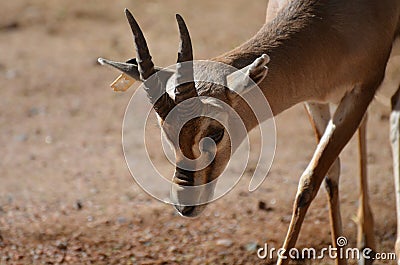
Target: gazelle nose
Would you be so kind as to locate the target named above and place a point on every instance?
(187, 211)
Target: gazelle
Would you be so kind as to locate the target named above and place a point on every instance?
(321, 52)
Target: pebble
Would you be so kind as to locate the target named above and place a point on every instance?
(78, 205)
(61, 245)
(263, 206)
(21, 137)
(34, 111)
(224, 242)
(11, 25)
(11, 74)
(172, 249)
(252, 246)
(286, 219)
(121, 220)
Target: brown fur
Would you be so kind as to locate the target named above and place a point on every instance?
(326, 51)
(320, 47)
(329, 52)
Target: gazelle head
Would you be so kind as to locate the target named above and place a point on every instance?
(201, 143)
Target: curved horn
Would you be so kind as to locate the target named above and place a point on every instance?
(161, 101)
(185, 88)
(146, 66)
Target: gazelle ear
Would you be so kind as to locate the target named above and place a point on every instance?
(130, 68)
(245, 78)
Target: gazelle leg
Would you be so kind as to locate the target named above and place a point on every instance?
(395, 141)
(319, 115)
(366, 238)
(340, 129)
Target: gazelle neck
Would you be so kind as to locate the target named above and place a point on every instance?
(290, 75)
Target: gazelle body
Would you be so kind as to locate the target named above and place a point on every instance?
(326, 51)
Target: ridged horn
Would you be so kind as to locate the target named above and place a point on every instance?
(185, 88)
(162, 103)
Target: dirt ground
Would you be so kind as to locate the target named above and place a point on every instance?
(66, 195)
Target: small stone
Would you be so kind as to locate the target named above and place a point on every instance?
(224, 242)
(10, 26)
(21, 137)
(286, 219)
(172, 249)
(59, 258)
(243, 194)
(33, 112)
(121, 220)
(251, 247)
(78, 205)
(11, 74)
(263, 206)
(61, 245)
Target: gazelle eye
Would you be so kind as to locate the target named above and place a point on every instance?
(217, 136)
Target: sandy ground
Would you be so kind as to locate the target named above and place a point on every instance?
(66, 195)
